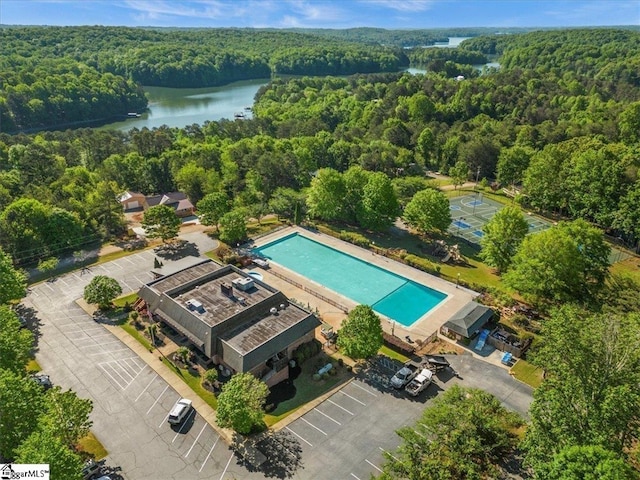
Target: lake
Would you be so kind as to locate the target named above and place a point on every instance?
(179, 107)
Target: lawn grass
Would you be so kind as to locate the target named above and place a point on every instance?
(33, 366)
(527, 373)
(129, 298)
(193, 380)
(92, 447)
(387, 352)
(135, 333)
(265, 225)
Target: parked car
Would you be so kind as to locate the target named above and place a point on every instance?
(104, 477)
(179, 411)
(420, 382)
(403, 376)
(43, 380)
(90, 469)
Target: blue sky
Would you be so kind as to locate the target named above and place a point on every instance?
(391, 14)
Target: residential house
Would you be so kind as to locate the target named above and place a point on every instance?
(178, 201)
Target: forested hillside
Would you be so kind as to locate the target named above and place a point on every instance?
(568, 135)
(52, 76)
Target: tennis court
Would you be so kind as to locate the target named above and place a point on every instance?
(471, 212)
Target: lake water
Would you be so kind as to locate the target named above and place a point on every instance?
(179, 107)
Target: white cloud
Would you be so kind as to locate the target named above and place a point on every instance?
(402, 5)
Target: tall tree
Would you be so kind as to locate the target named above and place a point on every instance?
(103, 207)
(503, 234)
(160, 221)
(427, 211)
(288, 203)
(566, 262)
(15, 342)
(512, 163)
(234, 226)
(459, 173)
(212, 207)
(241, 402)
(360, 335)
(14, 284)
(21, 404)
(380, 207)
(325, 198)
(67, 416)
(589, 462)
(102, 290)
(590, 393)
(44, 447)
(462, 435)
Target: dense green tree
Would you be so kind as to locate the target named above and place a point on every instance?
(14, 282)
(627, 217)
(241, 403)
(355, 179)
(588, 462)
(43, 446)
(67, 416)
(288, 203)
(564, 263)
(589, 395)
(380, 206)
(233, 226)
(427, 211)
(503, 235)
(15, 342)
(212, 207)
(630, 123)
(462, 435)
(459, 173)
(102, 290)
(21, 404)
(190, 180)
(325, 198)
(360, 334)
(104, 207)
(512, 163)
(161, 221)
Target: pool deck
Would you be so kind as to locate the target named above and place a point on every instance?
(422, 328)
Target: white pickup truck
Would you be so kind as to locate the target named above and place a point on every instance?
(403, 376)
(419, 382)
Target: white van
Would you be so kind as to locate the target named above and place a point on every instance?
(179, 411)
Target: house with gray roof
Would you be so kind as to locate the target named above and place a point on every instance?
(467, 321)
(234, 319)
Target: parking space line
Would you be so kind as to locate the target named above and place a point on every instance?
(227, 466)
(101, 344)
(209, 454)
(166, 417)
(46, 284)
(339, 406)
(184, 424)
(145, 388)
(389, 453)
(115, 264)
(110, 376)
(137, 375)
(364, 389)
(374, 466)
(196, 440)
(127, 260)
(135, 363)
(157, 399)
(353, 398)
(312, 425)
(322, 413)
(117, 373)
(308, 443)
(124, 371)
(107, 352)
(355, 477)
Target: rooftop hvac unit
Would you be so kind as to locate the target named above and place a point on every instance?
(195, 305)
(243, 283)
(226, 289)
(273, 310)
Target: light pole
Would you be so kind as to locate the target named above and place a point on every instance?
(476, 190)
(458, 281)
(393, 328)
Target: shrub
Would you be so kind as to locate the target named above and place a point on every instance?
(355, 238)
(341, 362)
(316, 377)
(422, 264)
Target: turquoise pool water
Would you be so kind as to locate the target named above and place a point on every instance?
(392, 295)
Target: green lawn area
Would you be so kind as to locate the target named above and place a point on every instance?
(193, 379)
(265, 225)
(307, 389)
(92, 447)
(126, 299)
(138, 335)
(527, 373)
(387, 352)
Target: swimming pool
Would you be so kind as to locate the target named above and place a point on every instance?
(394, 296)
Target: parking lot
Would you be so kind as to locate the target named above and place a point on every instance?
(345, 436)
